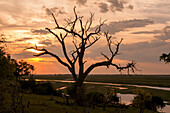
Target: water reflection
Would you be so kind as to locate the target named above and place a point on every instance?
(126, 98)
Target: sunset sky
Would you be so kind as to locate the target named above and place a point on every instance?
(143, 24)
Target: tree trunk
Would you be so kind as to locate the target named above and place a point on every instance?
(80, 96)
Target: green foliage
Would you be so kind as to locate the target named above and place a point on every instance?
(141, 99)
(165, 57)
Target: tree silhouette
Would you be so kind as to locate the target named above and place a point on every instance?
(23, 69)
(165, 57)
(83, 38)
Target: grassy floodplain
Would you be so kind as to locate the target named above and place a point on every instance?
(150, 80)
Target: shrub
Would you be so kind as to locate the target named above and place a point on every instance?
(45, 89)
(94, 98)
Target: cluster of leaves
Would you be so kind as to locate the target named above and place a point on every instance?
(165, 57)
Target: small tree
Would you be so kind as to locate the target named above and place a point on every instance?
(23, 69)
(83, 38)
(140, 101)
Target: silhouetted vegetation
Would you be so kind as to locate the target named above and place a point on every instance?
(11, 99)
(23, 69)
(155, 103)
(165, 57)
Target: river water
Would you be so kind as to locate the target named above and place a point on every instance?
(109, 84)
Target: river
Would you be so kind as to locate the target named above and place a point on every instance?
(109, 84)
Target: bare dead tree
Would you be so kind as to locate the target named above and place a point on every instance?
(83, 40)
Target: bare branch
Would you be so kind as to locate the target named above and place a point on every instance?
(97, 30)
(82, 29)
(129, 66)
(44, 51)
(55, 20)
(74, 22)
(89, 21)
(105, 56)
(54, 34)
(86, 46)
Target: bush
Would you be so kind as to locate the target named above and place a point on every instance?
(28, 86)
(45, 89)
(71, 90)
(95, 98)
(145, 100)
(155, 103)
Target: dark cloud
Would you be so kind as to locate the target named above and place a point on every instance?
(39, 32)
(164, 34)
(119, 5)
(146, 32)
(81, 2)
(103, 7)
(9, 42)
(46, 42)
(23, 39)
(114, 27)
(22, 55)
(13, 26)
(116, 5)
(130, 6)
(55, 10)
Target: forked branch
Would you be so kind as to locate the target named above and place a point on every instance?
(44, 51)
(110, 60)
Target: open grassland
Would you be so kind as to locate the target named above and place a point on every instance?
(151, 80)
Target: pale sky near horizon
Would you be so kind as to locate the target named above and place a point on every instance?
(143, 24)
